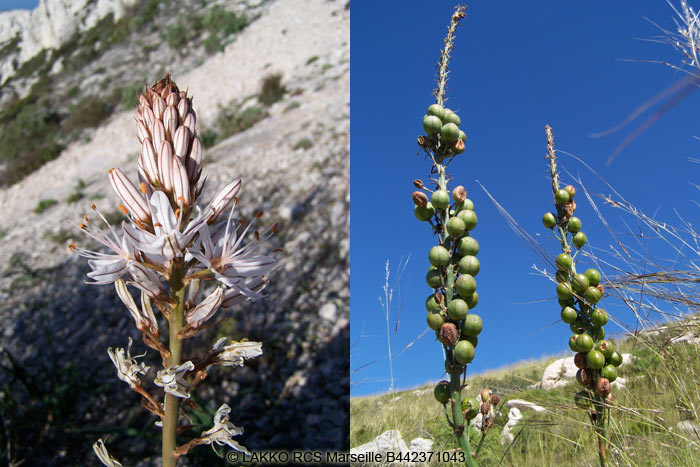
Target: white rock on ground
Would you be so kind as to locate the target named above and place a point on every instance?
(514, 417)
(688, 427)
(392, 441)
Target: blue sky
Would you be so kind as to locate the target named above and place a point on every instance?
(18, 4)
(515, 68)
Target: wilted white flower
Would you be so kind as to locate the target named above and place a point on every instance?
(206, 308)
(223, 431)
(102, 454)
(144, 316)
(173, 381)
(127, 368)
(237, 353)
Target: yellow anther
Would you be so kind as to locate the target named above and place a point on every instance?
(123, 209)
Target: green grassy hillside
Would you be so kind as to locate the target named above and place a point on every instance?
(662, 389)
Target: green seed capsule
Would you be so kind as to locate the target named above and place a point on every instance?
(457, 309)
(462, 136)
(574, 225)
(564, 262)
(423, 213)
(439, 256)
(615, 359)
(469, 218)
(568, 302)
(440, 199)
(563, 276)
(442, 392)
(469, 265)
(572, 343)
(468, 246)
(593, 276)
(595, 360)
(549, 220)
(470, 407)
(592, 295)
(465, 285)
(451, 117)
(435, 320)
(569, 315)
(606, 348)
(564, 291)
(436, 110)
(579, 240)
(434, 278)
(472, 325)
(561, 197)
(598, 334)
(431, 304)
(584, 343)
(455, 227)
(464, 352)
(609, 372)
(449, 132)
(467, 205)
(577, 327)
(472, 301)
(599, 317)
(473, 339)
(432, 124)
(579, 283)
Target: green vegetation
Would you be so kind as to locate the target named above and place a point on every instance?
(44, 204)
(661, 390)
(271, 89)
(304, 143)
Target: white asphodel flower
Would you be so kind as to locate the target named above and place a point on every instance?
(236, 353)
(102, 454)
(234, 264)
(127, 368)
(167, 242)
(106, 267)
(223, 431)
(173, 381)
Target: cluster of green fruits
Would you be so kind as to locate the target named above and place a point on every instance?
(578, 296)
(453, 265)
(443, 134)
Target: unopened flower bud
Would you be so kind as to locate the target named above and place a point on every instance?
(459, 194)
(420, 198)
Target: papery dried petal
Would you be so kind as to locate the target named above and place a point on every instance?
(104, 456)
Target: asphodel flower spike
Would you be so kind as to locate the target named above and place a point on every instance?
(187, 262)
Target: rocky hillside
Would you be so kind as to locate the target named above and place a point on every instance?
(272, 99)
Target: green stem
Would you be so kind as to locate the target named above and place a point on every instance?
(461, 431)
(601, 431)
(460, 12)
(172, 403)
